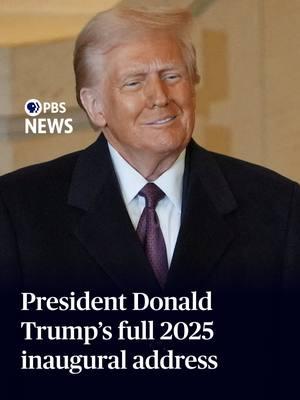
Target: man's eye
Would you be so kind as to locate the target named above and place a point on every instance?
(132, 84)
(172, 77)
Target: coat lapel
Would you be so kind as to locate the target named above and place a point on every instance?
(105, 229)
(204, 234)
(106, 232)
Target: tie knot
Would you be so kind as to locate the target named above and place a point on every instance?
(152, 194)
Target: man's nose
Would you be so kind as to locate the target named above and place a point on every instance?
(156, 93)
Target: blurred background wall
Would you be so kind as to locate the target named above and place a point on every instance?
(248, 98)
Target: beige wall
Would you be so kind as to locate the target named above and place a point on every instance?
(250, 94)
(230, 110)
(248, 99)
(282, 86)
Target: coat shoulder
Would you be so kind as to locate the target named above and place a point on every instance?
(247, 177)
(38, 186)
(50, 173)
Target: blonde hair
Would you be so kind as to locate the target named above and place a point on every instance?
(118, 25)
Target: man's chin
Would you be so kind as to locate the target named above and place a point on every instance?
(164, 149)
(167, 145)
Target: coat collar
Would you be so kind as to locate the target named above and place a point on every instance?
(204, 234)
(105, 229)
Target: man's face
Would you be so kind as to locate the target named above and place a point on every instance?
(148, 98)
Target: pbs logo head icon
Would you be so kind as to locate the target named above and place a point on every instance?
(33, 107)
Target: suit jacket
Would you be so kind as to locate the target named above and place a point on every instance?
(63, 223)
(64, 226)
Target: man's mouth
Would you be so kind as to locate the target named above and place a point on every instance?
(161, 121)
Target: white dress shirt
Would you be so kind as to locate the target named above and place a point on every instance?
(168, 209)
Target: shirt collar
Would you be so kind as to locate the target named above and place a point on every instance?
(171, 181)
(131, 181)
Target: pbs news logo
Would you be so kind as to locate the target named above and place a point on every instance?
(43, 125)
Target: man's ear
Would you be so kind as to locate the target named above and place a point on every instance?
(90, 101)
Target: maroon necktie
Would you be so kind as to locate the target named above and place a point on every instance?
(150, 234)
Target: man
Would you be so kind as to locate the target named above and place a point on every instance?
(85, 220)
